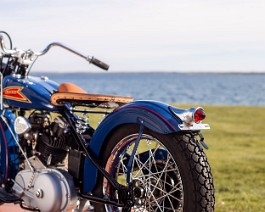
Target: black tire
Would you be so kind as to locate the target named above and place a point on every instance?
(187, 183)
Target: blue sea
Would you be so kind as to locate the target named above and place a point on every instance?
(194, 88)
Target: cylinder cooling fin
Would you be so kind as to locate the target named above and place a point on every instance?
(51, 149)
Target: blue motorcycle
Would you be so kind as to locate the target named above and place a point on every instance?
(143, 156)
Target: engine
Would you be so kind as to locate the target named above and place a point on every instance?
(49, 163)
(46, 140)
(52, 142)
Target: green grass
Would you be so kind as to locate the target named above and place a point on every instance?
(237, 156)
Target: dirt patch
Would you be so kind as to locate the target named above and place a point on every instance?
(11, 207)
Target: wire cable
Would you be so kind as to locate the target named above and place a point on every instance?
(10, 40)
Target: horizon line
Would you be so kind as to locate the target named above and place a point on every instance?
(150, 71)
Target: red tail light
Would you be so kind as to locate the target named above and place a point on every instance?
(199, 115)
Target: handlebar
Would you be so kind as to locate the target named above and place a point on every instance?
(29, 54)
(90, 59)
(5, 50)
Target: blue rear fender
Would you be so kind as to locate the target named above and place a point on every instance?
(153, 115)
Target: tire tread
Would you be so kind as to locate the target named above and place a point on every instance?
(201, 172)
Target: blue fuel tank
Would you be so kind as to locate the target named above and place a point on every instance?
(29, 92)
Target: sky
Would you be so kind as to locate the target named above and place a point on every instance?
(141, 35)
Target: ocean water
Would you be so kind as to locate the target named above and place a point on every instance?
(195, 88)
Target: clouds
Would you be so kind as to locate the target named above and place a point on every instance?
(143, 35)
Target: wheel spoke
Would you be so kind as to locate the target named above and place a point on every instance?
(159, 178)
(151, 155)
(141, 165)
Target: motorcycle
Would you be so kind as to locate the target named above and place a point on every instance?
(143, 156)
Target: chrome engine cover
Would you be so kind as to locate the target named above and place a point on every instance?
(45, 189)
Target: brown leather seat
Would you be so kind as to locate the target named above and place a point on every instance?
(70, 93)
(67, 87)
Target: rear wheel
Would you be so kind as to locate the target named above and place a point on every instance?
(171, 170)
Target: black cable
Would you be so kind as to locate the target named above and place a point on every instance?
(11, 46)
(10, 40)
(26, 208)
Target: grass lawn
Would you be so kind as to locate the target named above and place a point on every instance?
(237, 156)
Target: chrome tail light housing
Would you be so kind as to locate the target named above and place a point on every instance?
(191, 118)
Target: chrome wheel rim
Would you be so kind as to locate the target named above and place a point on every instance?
(157, 174)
